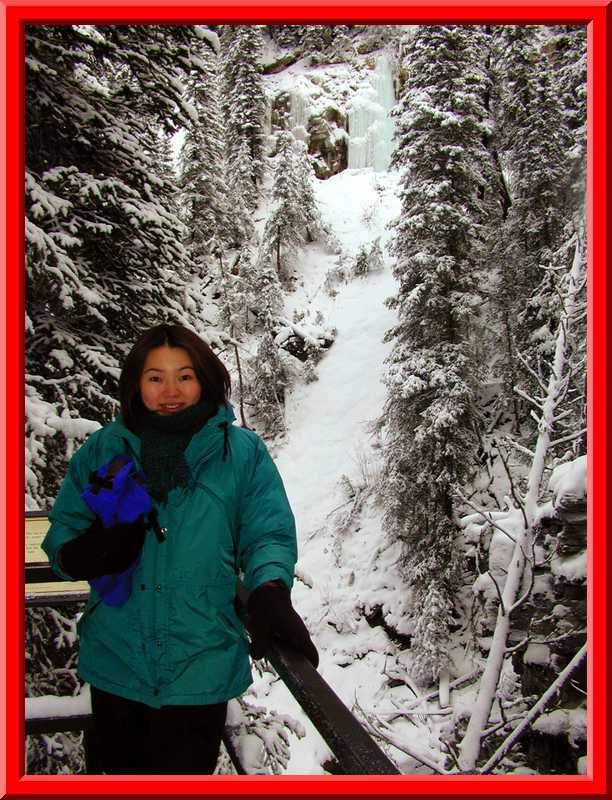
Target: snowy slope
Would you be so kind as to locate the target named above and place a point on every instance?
(327, 419)
(341, 576)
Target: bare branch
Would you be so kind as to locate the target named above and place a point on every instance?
(560, 417)
(501, 724)
(498, 590)
(397, 743)
(514, 648)
(521, 448)
(391, 715)
(517, 500)
(537, 403)
(458, 683)
(485, 514)
(531, 371)
(527, 592)
(562, 637)
(569, 438)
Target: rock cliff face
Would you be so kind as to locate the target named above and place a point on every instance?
(324, 132)
(336, 109)
(550, 627)
(555, 622)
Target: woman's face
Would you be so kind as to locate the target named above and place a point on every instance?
(168, 382)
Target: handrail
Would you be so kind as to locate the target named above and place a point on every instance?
(355, 751)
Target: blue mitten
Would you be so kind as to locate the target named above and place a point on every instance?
(117, 495)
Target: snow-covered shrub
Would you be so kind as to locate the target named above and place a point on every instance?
(369, 215)
(336, 276)
(261, 737)
(361, 265)
(368, 259)
(309, 372)
(268, 384)
(305, 339)
(50, 669)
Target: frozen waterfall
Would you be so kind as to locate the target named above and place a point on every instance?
(364, 99)
(370, 126)
(299, 112)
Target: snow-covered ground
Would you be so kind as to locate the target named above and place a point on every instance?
(339, 573)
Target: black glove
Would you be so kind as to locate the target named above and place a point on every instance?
(272, 615)
(102, 551)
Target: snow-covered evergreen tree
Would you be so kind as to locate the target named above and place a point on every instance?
(567, 53)
(534, 143)
(233, 285)
(305, 175)
(50, 669)
(316, 39)
(269, 380)
(244, 102)
(361, 267)
(204, 192)
(288, 36)
(368, 259)
(288, 223)
(103, 247)
(430, 411)
(539, 144)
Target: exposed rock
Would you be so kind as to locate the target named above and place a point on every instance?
(279, 111)
(557, 630)
(573, 534)
(326, 136)
(553, 754)
(281, 63)
(328, 143)
(376, 619)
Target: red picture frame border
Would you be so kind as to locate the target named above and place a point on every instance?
(13, 18)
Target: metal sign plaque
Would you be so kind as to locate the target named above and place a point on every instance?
(36, 527)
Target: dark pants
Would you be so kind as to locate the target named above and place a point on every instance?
(135, 739)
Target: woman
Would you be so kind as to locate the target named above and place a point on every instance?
(160, 641)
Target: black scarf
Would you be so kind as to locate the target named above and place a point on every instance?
(163, 441)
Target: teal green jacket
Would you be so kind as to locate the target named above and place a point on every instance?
(178, 639)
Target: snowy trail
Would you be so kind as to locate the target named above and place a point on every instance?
(326, 423)
(327, 437)
(327, 420)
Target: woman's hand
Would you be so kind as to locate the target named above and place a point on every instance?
(102, 551)
(272, 615)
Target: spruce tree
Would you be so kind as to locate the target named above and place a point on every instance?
(316, 39)
(286, 228)
(305, 176)
(542, 162)
(103, 247)
(567, 53)
(534, 143)
(432, 373)
(245, 105)
(269, 382)
(204, 193)
(288, 36)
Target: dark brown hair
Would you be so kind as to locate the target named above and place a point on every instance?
(211, 373)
